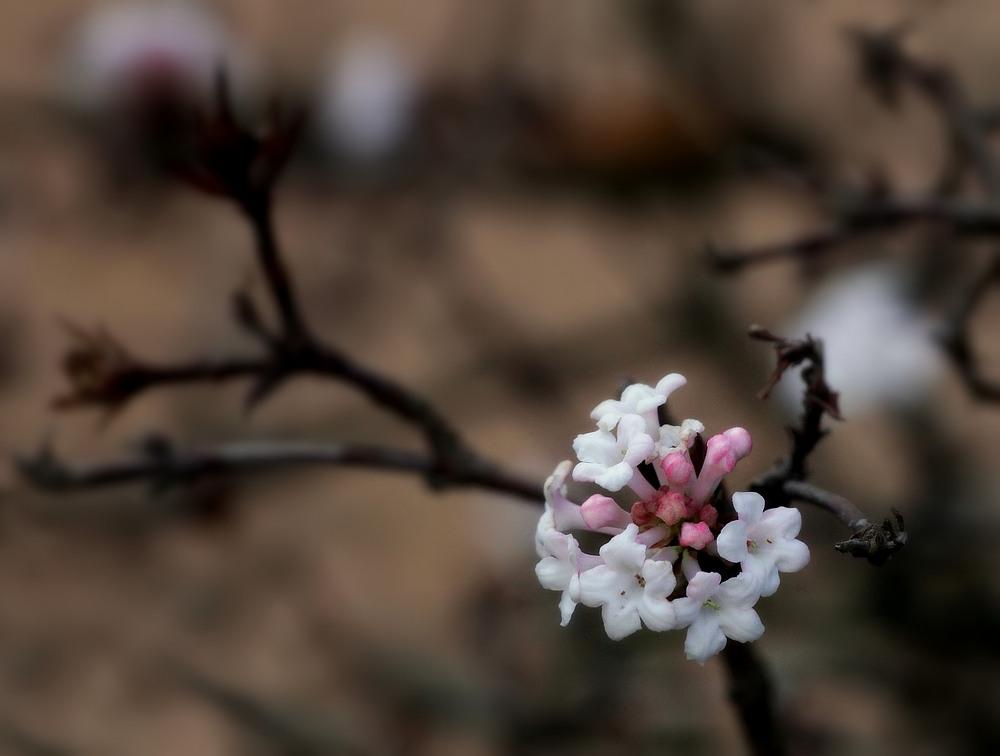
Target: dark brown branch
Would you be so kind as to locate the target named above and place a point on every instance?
(235, 162)
(886, 66)
(955, 337)
(866, 213)
(785, 482)
(260, 215)
(852, 517)
(872, 541)
(163, 466)
(751, 692)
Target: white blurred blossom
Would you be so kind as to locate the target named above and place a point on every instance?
(366, 100)
(124, 51)
(879, 348)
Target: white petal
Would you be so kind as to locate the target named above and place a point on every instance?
(704, 639)
(792, 556)
(741, 624)
(597, 446)
(616, 477)
(784, 522)
(566, 607)
(670, 383)
(623, 553)
(749, 506)
(600, 585)
(654, 608)
(620, 619)
(732, 541)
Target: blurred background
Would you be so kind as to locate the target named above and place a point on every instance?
(504, 205)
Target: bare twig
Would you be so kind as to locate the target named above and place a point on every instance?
(955, 337)
(785, 481)
(887, 67)
(859, 214)
(237, 163)
(163, 466)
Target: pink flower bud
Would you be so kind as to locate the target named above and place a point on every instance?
(643, 512)
(740, 440)
(720, 456)
(696, 535)
(671, 507)
(709, 515)
(603, 512)
(723, 452)
(677, 468)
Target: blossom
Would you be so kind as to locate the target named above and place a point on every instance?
(610, 460)
(558, 569)
(630, 588)
(763, 543)
(714, 610)
(128, 51)
(878, 348)
(674, 438)
(638, 399)
(649, 571)
(560, 513)
(367, 100)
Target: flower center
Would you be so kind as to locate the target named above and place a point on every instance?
(712, 604)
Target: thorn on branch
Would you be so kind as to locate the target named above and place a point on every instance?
(262, 388)
(876, 543)
(248, 317)
(101, 371)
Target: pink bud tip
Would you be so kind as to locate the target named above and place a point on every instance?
(740, 440)
(696, 535)
(719, 455)
(601, 512)
(677, 468)
(709, 515)
(671, 507)
(643, 512)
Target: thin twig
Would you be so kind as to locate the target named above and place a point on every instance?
(955, 337)
(260, 216)
(785, 482)
(836, 505)
(860, 214)
(164, 466)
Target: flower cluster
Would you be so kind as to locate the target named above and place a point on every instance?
(650, 572)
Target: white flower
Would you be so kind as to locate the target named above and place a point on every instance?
(121, 48)
(677, 437)
(610, 460)
(878, 348)
(367, 104)
(630, 588)
(558, 569)
(560, 513)
(638, 399)
(763, 542)
(714, 610)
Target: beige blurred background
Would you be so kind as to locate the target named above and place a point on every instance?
(515, 286)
